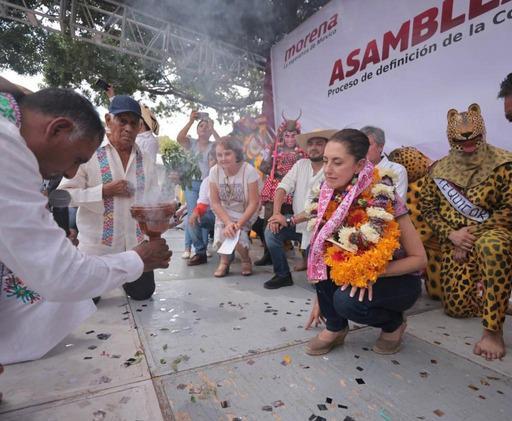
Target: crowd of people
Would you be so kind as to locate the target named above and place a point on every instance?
(368, 228)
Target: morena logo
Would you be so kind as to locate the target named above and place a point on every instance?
(311, 37)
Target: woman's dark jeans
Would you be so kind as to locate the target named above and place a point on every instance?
(391, 297)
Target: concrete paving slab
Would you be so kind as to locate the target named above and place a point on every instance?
(422, 382)
(128, 403)
(194, 322)
(424, 303)
(459, 337)
(91, 358)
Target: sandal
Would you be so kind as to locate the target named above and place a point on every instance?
(222, 270)
(387, 347)
(247, 268)
(317, 346)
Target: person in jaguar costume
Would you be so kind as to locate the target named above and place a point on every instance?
(467, 201)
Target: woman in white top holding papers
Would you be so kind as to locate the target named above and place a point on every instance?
(234, 195)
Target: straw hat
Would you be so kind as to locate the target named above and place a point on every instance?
(302, 139)
(150, 119)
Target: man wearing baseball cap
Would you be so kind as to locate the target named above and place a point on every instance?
(104, 189)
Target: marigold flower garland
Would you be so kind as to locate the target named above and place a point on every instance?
(359, 252)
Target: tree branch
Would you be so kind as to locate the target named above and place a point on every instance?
(217, 105)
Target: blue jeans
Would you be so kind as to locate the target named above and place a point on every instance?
(206, 223)
(391, 297)
(275, 245)
(197, 235)
(188, 240)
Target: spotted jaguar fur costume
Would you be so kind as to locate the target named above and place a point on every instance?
(480, 286)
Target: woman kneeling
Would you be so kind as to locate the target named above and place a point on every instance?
(234, 197)
(364, 251)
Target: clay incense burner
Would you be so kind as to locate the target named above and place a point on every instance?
(153, 219)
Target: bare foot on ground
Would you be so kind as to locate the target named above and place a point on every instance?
(491, 346)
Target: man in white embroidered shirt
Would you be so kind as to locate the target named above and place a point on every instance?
(46, 284)
(305, 175)
(376, 156)
(118, 175)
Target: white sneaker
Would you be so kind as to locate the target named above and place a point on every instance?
(208, 253)
(186, 255)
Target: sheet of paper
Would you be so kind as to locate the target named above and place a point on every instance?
(229, 244)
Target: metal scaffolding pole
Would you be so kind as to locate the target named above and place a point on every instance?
(130, 31)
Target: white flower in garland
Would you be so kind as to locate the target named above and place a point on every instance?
(387, 172)
(370, 233)
(383, 190)
(374, 212)
(310, 207)
(315, 191)
(311, 224)
(344, 239)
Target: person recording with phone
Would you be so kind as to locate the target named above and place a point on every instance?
(201, 148)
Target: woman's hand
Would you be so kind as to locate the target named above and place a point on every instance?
(231, 229)
(194, 219)
(361, 293)
(193, 116)
(315, 317)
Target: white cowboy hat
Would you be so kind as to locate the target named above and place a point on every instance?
(302, 139)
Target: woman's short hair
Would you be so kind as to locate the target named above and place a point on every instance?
(356, 142)
(232, 144)
(212, 156)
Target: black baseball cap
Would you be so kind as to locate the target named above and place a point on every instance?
(124, 104)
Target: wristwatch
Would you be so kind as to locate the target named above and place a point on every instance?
(289, 222)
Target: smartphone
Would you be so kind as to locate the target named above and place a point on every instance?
(100, 83)
(203, 116)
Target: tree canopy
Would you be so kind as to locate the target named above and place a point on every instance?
(251, 25)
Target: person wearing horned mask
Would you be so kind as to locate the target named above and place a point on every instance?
(105, 188)
(284, 154)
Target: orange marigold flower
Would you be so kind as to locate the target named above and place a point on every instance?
(363, 268)
(331, 208)
(357, 217)
(334, 254)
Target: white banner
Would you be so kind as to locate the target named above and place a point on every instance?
(399, 65)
